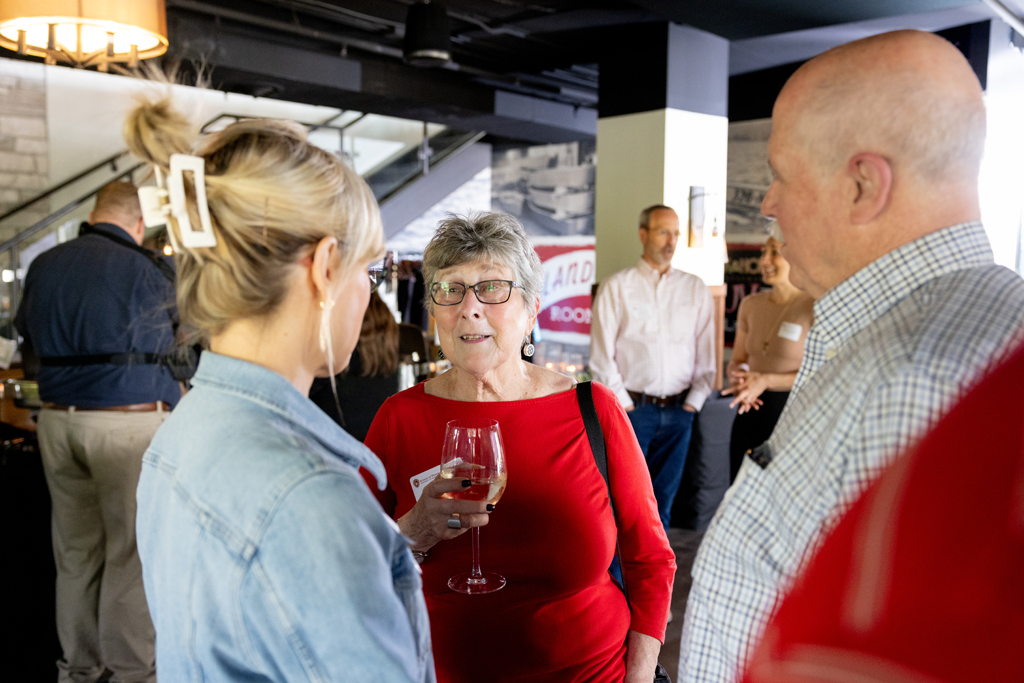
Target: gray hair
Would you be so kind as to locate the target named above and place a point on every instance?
(645, 215)
(498, 237)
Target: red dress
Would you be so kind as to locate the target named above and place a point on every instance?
(922, 579)
(552, 535)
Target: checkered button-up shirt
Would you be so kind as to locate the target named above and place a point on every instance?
(891, 349)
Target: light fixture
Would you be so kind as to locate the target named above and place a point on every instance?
(168, 250)
(85, 33)
(427, 41)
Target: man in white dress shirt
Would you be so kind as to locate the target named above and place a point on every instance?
(652, 342)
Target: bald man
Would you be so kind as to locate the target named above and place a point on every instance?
(875, 150)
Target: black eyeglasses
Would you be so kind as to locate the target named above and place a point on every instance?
(487, 292)
(381, 270)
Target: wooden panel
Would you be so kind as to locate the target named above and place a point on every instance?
(718, 293)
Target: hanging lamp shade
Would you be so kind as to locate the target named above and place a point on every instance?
(85, 32)
(427, 41)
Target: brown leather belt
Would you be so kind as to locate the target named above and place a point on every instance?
(640, 399)
(133, 408)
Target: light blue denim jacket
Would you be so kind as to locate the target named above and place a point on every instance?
(265, 556)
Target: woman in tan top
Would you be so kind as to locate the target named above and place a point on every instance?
(771, 328)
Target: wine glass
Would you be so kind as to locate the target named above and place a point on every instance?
(473, 451)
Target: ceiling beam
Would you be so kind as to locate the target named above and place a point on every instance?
(247, 61)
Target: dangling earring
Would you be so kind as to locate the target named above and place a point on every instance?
(440, 353)
(327, 347)
(528, 349)
(325, 334)
(325, 326)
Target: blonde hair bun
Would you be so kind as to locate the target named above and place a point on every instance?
(272, 196)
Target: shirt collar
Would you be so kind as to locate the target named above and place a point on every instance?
(649, 273)
(273, 392)
(856, 302)
(115, 230)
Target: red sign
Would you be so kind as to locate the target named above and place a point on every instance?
(568, 278)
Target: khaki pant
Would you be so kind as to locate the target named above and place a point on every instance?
(92, 461)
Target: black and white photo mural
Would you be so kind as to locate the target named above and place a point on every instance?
(747, 181)
(549, 188)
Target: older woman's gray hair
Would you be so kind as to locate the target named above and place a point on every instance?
(497, 237)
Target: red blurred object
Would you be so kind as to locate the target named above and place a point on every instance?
(923, 579)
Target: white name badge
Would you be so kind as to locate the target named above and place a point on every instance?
(643, 310)
(791, 331)
(422, 479)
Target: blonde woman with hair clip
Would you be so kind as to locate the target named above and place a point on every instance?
(264, 554)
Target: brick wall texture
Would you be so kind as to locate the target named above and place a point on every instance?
(24, 149)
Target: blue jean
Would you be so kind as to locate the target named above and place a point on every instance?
(664, 436)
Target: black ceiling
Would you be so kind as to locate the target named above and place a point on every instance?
(540, 48)
(546, 50)
(738, 19)
(523, 36)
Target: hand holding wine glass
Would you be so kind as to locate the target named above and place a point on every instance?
(473, 451)
(427, 523)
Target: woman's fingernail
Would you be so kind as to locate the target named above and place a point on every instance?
(490, 507)
(466, 482)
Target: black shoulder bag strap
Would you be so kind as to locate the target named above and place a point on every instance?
(585, 395)
(595, 435)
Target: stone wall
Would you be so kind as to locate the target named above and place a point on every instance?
(24, 149)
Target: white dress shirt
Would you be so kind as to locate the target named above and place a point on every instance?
(891, 350)
(654, 334)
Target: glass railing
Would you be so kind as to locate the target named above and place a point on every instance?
(411, 164)
(391, 153)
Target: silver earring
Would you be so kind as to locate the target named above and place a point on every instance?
(528, 350)
(440, 354)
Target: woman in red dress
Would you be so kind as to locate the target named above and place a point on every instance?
(560, 617)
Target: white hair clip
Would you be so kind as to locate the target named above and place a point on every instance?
(156, 207)
(179, 210)
(153, 199)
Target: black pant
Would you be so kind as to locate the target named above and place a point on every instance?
(751, 429)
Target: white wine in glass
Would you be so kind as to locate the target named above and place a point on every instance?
(473, 450)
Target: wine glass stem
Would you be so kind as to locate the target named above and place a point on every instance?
(476, 573)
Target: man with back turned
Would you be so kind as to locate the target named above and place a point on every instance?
(875, 151)
(97, 312)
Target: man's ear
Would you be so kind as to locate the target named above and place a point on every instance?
(872, 177)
